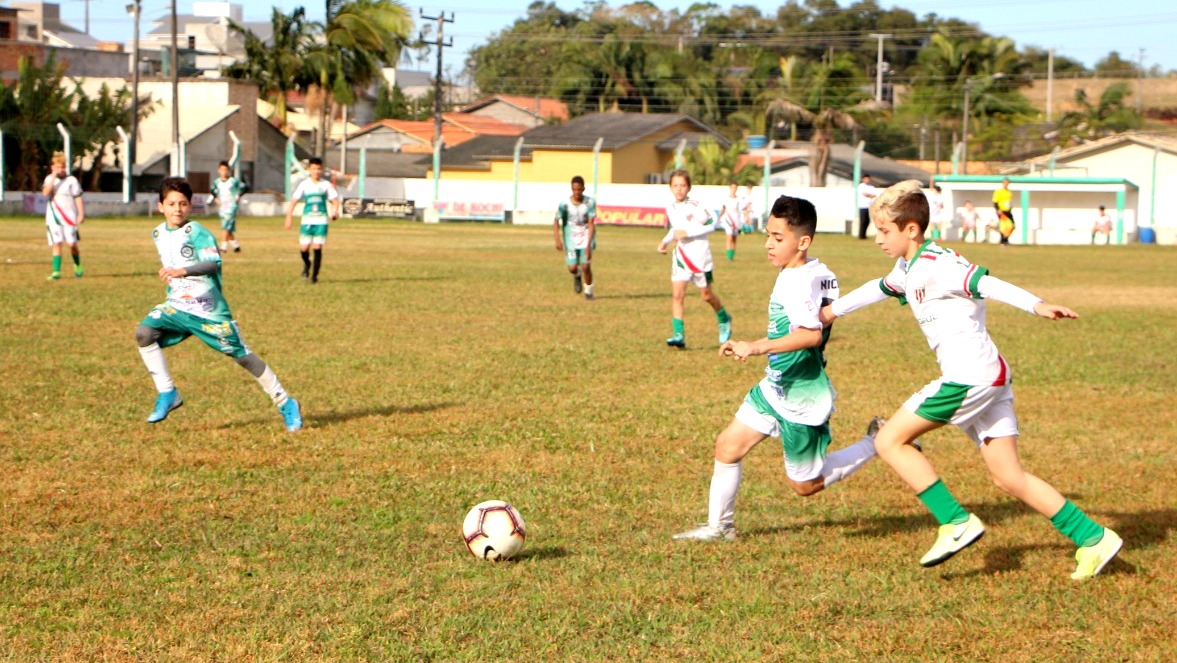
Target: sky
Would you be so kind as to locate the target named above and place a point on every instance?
(1085, 30)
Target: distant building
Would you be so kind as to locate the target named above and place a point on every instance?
(526, 111)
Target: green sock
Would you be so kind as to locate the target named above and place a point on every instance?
(723, 316)
(943, 505)
(676, 323)
(56, 263)
(77, 259)
(731, 254)
(1076, 525)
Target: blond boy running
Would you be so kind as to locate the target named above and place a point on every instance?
(974, 392)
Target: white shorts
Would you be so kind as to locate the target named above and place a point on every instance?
(700, 279)
(981, 412)
(59, 234)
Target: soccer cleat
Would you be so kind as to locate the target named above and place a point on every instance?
(875, 424)
(167, 401)
(291, 414)
(589, 295)
(78, 273)
(314, 280)
(708, 533)
(952, 539)
(53, 277)
(677, 341)
(236, 249)
(577, 284)
(306, 273)
(1092, 559)
(725, 331)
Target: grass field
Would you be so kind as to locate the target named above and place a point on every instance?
(440, 366)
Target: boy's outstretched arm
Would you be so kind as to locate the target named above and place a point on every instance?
(991, 287)
(871, 292)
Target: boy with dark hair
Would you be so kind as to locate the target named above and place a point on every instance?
(320, 206)
(227, 192)
(974, 392)
(795, 399)
(195, 307)
(575, 227)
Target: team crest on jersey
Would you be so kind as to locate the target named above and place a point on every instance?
(188, 229)
(919, 295)
(155, 234)
(186, 252)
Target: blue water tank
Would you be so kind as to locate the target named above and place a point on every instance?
(757, 142)
(1148, 236)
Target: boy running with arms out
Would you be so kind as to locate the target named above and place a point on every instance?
(227, 192)
(795, 399)
(690, 223)
(195, 306)
(575, 227)
(64, 212)
(320, 206)
(974, 392)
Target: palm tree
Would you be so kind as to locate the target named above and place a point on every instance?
(278, 68)
(824, 124)
(359, 37)
(709, 163)
(29, 108)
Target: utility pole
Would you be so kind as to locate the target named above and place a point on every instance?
(1140, 85)
(441, 45)
(175, 90)
(879, 67)
(135, 9)
(1049, 85)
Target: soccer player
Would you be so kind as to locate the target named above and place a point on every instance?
(947, 296)
(795, 399)
(936, 212)
(227, 191)
(320, 206)
(1003, 203)
(195, 306)
(1103, 224)
(970, 219)
(866, 194)
(64, 212)
(575, 227)
(732, 217)
(690, 223)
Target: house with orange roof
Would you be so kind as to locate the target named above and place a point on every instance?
(527, 111)
(416, 136)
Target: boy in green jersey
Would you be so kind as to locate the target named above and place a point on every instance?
(195, 306)
(320, 206)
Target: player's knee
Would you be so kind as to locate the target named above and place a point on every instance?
(807, 488)
(145, 335)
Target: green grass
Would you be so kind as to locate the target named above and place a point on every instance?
(440, 366)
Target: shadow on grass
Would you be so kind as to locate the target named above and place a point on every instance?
(882, 526)
(333, 417)
(636, 295)
(122, 275)
(544, 552)
(1003, 559)
(385, 279)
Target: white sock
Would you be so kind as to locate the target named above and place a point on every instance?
(721, 502)
(158, 367)
(273, 388)
(588, 289)
(236, 244)
(224, 246)
(844, 462)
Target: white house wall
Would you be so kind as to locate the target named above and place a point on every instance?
(1135, 163)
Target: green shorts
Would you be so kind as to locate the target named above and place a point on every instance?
(229, 221)
(312, 233)
(175, 326)
(575, 257)
(805, 446)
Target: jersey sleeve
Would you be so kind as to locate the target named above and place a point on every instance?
(801, 302)
(332, 192)
(73, 187)
(562, 213)
(959, 277)
(205, 245)
(892, 283)
(299, 191)
(591, 209)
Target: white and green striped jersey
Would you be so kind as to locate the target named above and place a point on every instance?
(574, 219)
(226, 192)
(315, 196)
(800, 376)
(693, 252)
(183, 247)
(62, 207)
(943, 289)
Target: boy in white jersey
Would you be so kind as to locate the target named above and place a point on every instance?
(795, 399)
(690, 223)
(64, 212)
(1103, 224)
(320, 206)
(195, 307)
(733, 216)
(575, 227)
(227, 192)
(974, 392)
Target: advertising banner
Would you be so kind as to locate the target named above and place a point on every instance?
(388, 208)
(461, 210)
(621, 215)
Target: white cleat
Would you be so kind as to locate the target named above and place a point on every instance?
(708, 533)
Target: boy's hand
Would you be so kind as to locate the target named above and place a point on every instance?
(740, 350)
(661, 248)
(1053, 311)
(166, 274)
(559, 245)
(288, 223)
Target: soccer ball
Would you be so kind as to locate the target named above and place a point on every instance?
(494, 530)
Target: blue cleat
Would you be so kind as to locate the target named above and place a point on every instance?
(167, 401)
(677, 341)
(725, 331)
(291, 415)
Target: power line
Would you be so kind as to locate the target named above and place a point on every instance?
(441, 45)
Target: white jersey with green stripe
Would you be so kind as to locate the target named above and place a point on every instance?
(942, 288)
(799, 376)
(226, 192)
(692, 252)
(183, 247)
(315, 196)
(574, 219)
(62, 207)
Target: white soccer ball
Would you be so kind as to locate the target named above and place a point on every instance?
(494, 530)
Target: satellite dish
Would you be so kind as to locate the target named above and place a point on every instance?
(218, 34)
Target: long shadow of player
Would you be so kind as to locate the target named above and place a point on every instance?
(883, 526)
(313, 418)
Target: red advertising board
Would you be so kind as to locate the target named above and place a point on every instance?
(624, 215)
